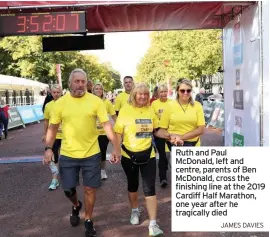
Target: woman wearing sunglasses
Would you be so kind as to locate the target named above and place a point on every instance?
(184, 118)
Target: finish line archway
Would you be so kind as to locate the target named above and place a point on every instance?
(245, 46)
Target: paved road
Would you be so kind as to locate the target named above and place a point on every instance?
(29, 210)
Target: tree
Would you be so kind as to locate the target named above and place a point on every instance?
(23, 57)
(177, 54)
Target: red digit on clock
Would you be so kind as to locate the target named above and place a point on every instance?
(76, 16)
(58, 17)
(22, 23)
(34, 24)
(48, 22)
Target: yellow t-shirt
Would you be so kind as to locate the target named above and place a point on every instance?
(160, 106)
(121, 100)
(78, 117)
(48, 114)
(136, 125)
(110, 110)
(179, 122)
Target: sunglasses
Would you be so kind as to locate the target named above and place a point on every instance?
(183, 91)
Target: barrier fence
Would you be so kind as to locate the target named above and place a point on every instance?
(214, 114)
(22, 115)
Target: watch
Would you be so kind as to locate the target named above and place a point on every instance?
(48, 148)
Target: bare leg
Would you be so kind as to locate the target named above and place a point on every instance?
(89, 199)
(133, 199)
(151, 205)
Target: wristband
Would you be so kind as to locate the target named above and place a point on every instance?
(48, 148)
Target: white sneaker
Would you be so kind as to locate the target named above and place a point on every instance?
(103, 175)
(135, 218)
(154, 230)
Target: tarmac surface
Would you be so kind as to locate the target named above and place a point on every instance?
(28, 209)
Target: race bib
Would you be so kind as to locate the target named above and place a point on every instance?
(144, 128)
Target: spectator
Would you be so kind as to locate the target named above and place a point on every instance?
(4, 118)
(199, 96)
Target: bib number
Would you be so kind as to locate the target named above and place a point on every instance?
(144, 128)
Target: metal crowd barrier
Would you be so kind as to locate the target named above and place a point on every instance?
(214, 114)
(22, 115)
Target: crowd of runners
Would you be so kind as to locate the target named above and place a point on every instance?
(80, 124)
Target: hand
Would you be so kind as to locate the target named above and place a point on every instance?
(47, 156)
(115, 156)
(176, 139)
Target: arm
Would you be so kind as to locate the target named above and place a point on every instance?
(114, 117)
(51, 134)
(119, 139)
(162, 133)
(195, 133)
(46, 124)
(114, 140)
(46, 121)
(107, 126)
(49, 141)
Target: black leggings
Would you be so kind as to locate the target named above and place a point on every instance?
(56, 149)
(148, 173)
(103, 142)
(162, 162)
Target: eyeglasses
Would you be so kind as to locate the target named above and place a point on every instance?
(183, 91)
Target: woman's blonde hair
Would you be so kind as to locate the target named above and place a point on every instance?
(162, 87)
(140, 87)
(185, 82)
(99, 84)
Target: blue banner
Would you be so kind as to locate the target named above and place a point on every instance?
(27, 114)
(38, 111)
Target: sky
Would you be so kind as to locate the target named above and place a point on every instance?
(124, 51)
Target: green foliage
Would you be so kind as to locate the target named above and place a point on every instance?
(189, 54)
(23, 57)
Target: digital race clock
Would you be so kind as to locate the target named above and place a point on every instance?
(42, 23)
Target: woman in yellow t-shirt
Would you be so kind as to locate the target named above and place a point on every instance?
(159, 105)
(56, 92)
(184, 118)
(103, 140)
(135, 124)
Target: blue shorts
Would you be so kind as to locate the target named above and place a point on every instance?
(69, 169)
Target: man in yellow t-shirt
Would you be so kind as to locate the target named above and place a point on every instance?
(56, 92)
(77, 112)
(122, 98)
